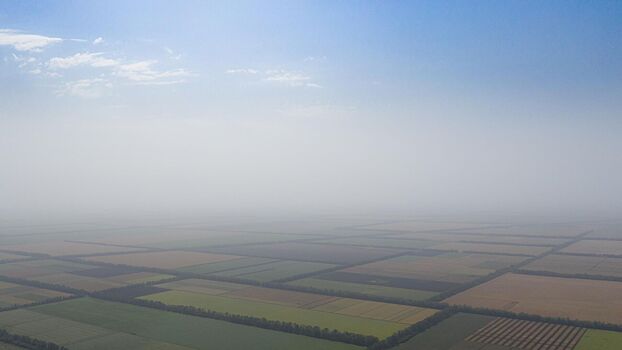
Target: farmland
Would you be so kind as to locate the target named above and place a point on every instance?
(349, 315)
(308, 285)
(335, 254)
(93, 324)
(468, 331)
(416, 276)
(67, 248)
(582, 265)
(162, 260)
(595, 247)
(14, 294)
(76, 275)
(587, 300)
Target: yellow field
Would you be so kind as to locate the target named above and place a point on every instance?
(580, 299)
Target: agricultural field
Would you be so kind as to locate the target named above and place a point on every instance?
(470, 332)
(575, 264)
(491, 248)
(76, 275)
(360, 280)
(274, 271)
(176, 238)
(381, 242)
(580, 299)
(361, 288)
(4, 257)
(416, 276)
(162, 259)
(12, 294)
(94, 324)
(324, 253)
(241, 267)
(595, 339)
(424, 226)
(478, 238)
(606, 231)
(536, 231)
(595, 247)
(343, 314)
(65, 248)
(445, 267)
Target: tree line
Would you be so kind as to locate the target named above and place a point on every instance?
(128, 295)
(28, 342)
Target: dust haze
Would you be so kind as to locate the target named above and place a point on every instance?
(123, 164)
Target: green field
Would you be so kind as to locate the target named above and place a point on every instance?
(600, 340)
(95, 324)
(205, 269)
(360, 325)
(275, 270)
(5, 346)
(368, 289)
(449, 334)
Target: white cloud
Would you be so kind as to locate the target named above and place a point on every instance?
(172, 54)
(242, 71)
(285, 77)
(24, 61)
(143, 73)
(87, 88)
(25, 42)
(91, 59)
(314, 58)
(280, 76)
(98, 41)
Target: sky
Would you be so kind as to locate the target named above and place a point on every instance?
(310, 106)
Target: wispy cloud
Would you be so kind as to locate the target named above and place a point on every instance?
(242, 71)
(25, 42)
(279, 76)
(143, 72)
(86, 88)
(96, 60)
(290, 78)
(100, 70)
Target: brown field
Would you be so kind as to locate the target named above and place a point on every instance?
(325, 253)
(595, 247)
(163, 260)
(577, 264)
(461, 237)
(67, 248)
(527, 335)
(612, 231)
(580, 299)
(9, 256)
(538, 231)
(15, 294)
(423, 226)
(491, 248)
(76, 275)
(450, 267)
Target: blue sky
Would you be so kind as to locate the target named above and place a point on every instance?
(363, 54)
(422, 88)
